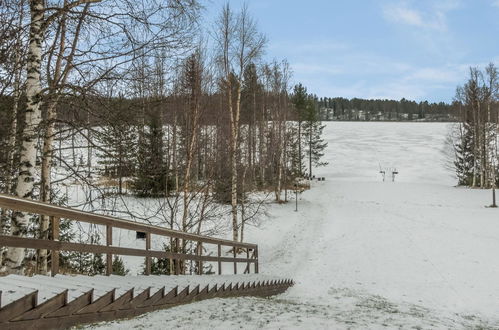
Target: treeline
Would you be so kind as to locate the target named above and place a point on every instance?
(153, 105)
(475, 139)
(339, 108)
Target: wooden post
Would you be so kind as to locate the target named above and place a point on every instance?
(235, 263)
(247, 257)
(177, 262)
(109, 256)
(219, 262)
(200, 262)
(148, 259)
(256, 262)
(55, 254)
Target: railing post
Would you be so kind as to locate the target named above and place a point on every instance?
(109, 256)
(235, 263)
(177, 262)
(248, 261)
(256, 261)
(200, 262)
(148, 259)
(219, 261)
(55, 254)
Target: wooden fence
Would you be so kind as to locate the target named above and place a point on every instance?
(53, 244)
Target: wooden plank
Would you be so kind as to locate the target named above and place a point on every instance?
(79, 319)
(148, 258)
(212, 292)
(33, 243)
(168, 298)
(203, 294)
(18, 307)
(256, 260)
(120, 302)
(37, 207)
(181, 297)
(54, 254)
(177, 261)
(100, 303)
(219, 261)
(49, 306)
(109, 256)
(235, 262)
(138, 300)
(248, 263)
(154, 298)
(74, 306)
(200, 262)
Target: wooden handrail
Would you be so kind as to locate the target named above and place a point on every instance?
(57, 212)
(31, 206)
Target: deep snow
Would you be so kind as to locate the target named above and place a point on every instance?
(417, 253)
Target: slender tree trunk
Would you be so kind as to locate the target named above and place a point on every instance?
(234, 123)
(46, 182)
(310, 150)
(26, 177)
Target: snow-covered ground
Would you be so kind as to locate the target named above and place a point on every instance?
(417, 253)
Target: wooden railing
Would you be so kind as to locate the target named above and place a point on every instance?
(57, 212)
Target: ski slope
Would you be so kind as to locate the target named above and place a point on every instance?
(417, 253)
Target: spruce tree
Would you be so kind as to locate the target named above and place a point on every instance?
(151, 178)
(313, 130)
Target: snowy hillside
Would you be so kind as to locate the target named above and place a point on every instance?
(416, 253)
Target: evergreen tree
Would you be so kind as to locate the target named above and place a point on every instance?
(152, 179)
(300, 102)
(87, 263)
(119, 267)
(464, 156)
(118, 140)
(313, 130)
(160, 266)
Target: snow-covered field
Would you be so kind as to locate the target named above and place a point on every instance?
(416, 253)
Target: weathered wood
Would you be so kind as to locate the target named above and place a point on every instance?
(235, 262)
(54, 254)
(74, 306)
(100, 303)
(168, 298)
(18, 307)
(256, 260)
(31, 206)
(200, 262)
(109, 256)
(219, 261)
(56, 212)
(171, 299)
(120, 302)
(154, 298)
(138, 300)
(33, 243)
(181, 296)
(148, 258)
(49, 306)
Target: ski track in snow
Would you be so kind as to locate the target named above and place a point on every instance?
(365, 254)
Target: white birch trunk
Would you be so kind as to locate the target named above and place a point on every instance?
(26, 177)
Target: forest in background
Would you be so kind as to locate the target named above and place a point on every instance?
(356, 109)
(475, 137)
(105, 100)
